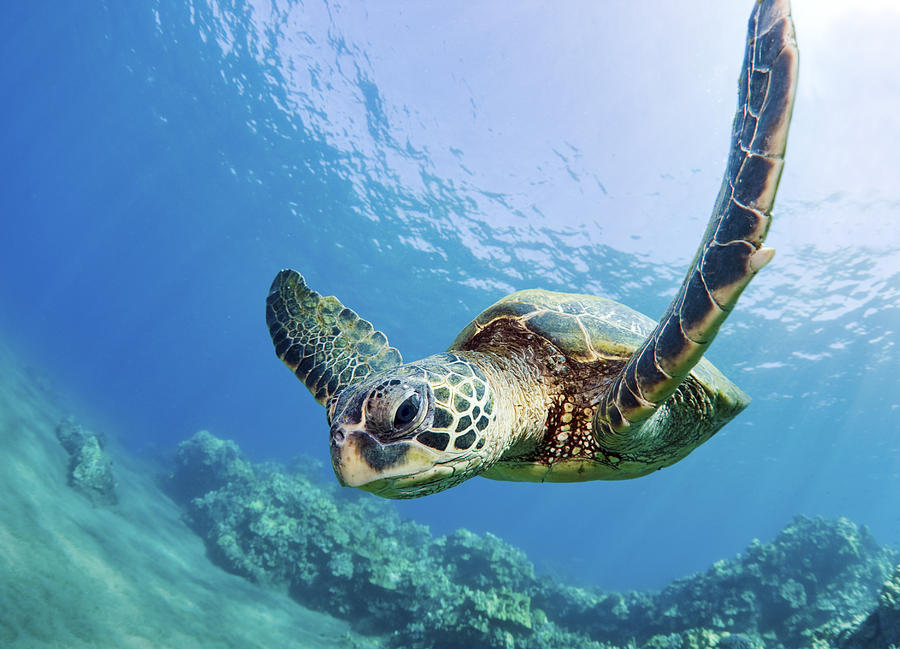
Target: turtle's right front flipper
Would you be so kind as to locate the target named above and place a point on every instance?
(323, 342)
(731, 252)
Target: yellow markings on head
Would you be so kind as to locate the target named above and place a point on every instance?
(357, 464)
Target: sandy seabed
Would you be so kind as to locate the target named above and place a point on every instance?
(131, 575)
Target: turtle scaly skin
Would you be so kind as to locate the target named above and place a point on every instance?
(325, 344)
(547, 386)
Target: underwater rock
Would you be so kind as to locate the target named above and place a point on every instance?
(881, 629)
(888, 611)
(205, 463)
(699, 639)
(90, 469)
(353, 557)
(815, 572)
(737, 641)
(485, 561)
(816, 577)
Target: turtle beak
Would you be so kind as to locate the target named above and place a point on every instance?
(359, 460)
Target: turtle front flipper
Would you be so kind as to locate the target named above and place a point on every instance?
(731, 252)
(323, 342)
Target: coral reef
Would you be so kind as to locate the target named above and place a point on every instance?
(815, 576)
(90, 469)
(815, 585)
(881, 628)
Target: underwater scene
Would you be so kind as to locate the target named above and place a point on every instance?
(479, 451)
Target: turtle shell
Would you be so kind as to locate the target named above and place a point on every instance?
(589, 329)
(585, 328)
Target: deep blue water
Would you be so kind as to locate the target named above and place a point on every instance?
(163, 160)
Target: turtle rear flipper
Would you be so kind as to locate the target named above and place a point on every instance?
(731, 252)
(325, 344)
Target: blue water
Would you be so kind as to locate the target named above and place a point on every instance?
(163, 160)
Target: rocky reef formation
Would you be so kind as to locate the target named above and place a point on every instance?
(816, 585)
(881, 628)
(817, 578)
(90, 469)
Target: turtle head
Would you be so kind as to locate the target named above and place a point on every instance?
(397, 430)
(413, 429)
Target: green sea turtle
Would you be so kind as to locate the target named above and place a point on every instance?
(547, 386)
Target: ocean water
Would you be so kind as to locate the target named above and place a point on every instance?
(163, 160)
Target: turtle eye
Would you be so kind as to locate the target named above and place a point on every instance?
(407, 412)
(394, 408)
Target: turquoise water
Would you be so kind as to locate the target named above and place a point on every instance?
(163, 160)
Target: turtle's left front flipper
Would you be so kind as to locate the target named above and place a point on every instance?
(731, 252)
(323, 342)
